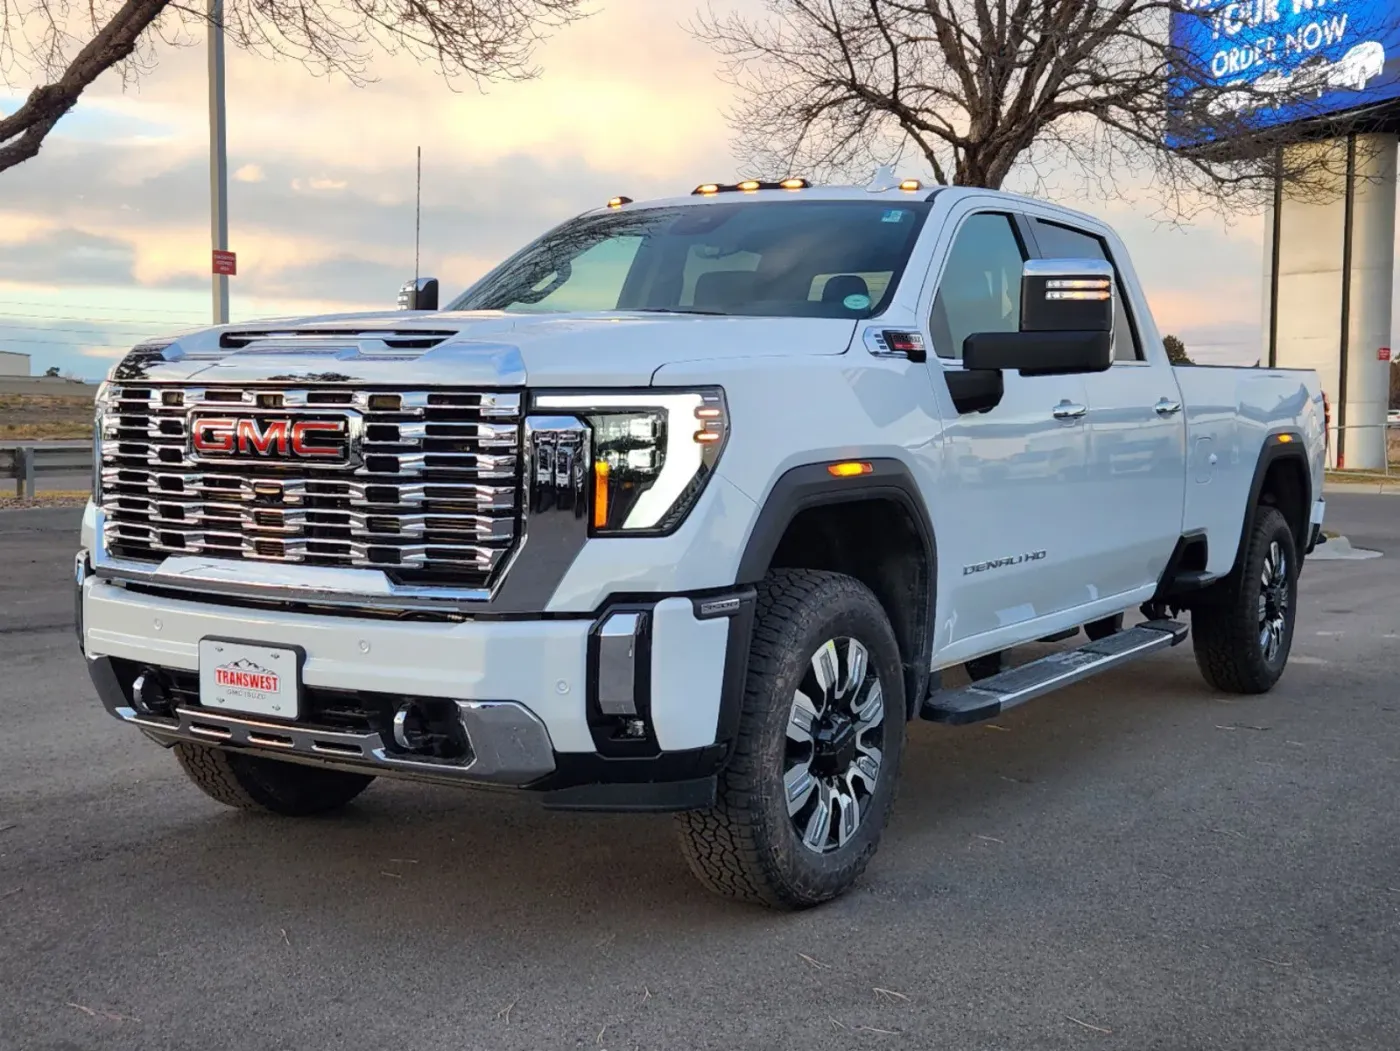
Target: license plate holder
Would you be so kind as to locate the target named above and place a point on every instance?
(251, 678)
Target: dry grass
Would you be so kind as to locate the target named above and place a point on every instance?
(26, 417)
(55, 498)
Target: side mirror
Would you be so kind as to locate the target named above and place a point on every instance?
(421, 294)
(1067, 309)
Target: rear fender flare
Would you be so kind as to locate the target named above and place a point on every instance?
(1275, 451)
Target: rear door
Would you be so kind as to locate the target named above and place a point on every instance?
(1017, 529)
(1136, 433)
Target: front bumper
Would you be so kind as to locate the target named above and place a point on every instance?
(539, 701)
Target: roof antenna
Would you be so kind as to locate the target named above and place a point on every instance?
(883, 179)
(418, 217)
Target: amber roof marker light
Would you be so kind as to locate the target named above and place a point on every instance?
(849, 469)
(618, 202)
(709, 189)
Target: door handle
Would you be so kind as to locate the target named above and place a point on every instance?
(1068, 410)
(1166, 407)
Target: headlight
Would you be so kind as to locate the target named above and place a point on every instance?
(653, 452)
(101, 403)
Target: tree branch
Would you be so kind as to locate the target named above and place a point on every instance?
(22, 132)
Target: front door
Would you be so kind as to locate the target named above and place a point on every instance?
(1137, 435)
(1017, 532)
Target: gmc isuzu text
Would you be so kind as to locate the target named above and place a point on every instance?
(685, 507)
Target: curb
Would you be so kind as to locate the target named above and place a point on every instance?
(1339, 549)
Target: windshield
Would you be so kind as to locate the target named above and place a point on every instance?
(834, 259)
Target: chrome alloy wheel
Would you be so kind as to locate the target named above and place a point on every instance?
(835, 733)
(1273, 601)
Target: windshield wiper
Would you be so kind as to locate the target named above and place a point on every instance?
(673, 310)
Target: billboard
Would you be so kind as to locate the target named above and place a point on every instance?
(1257, 64)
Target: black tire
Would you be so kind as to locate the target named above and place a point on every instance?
(1234, 650)
(1102, 629)
(251, 782)
(748, 846)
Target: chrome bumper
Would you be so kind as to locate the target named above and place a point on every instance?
(507, 743)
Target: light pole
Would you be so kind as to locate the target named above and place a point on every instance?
(218, 159)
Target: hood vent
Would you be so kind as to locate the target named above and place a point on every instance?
(313, 340)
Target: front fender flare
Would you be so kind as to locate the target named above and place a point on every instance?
(812, 485)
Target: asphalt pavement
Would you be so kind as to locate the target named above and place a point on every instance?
(1138, 863)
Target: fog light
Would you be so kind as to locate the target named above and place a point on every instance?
(148, 693)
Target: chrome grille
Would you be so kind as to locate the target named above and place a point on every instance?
(429, 496)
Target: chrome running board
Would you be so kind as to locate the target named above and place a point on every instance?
(988, 698)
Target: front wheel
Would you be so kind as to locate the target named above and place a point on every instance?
(1242, 636)
(808, 790)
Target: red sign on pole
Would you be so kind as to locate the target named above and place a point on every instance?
(225, 262)
(1383, 353)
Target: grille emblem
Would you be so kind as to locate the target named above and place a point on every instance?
(331, 439)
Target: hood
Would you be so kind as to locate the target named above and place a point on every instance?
(474, 349)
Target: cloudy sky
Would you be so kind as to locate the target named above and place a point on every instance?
(104, 237)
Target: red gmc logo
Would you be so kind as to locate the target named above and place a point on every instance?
(270, 438)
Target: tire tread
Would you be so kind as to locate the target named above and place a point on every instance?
(723, 845)
(254, 783)
(1224, 633)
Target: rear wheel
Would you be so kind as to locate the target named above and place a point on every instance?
(1242, 635)
(251, 782)
(808, 790)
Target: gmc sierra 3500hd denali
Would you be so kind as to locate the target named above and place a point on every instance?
(685, 507)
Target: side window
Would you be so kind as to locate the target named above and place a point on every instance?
(980, 290)
(1060, 242)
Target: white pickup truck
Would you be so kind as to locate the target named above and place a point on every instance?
(687, 506)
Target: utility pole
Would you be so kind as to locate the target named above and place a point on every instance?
(218, 156)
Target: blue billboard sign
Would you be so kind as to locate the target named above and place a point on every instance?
(1256, 64)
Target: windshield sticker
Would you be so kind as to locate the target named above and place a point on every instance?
(894, 215)
(856, 302)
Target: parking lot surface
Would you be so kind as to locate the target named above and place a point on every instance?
(1137, 863)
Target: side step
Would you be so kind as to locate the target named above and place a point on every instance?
(988, 698)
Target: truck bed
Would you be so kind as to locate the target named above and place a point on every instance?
(1230, 412)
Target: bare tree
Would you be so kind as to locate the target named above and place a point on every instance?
(982, 89)
(68, 44)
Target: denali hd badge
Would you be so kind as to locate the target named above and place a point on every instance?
(998, 563)
(324, 440)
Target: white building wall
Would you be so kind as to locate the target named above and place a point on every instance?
(1310, 290)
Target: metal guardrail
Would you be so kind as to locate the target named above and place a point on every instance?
(1391, 439)
(25, 463)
